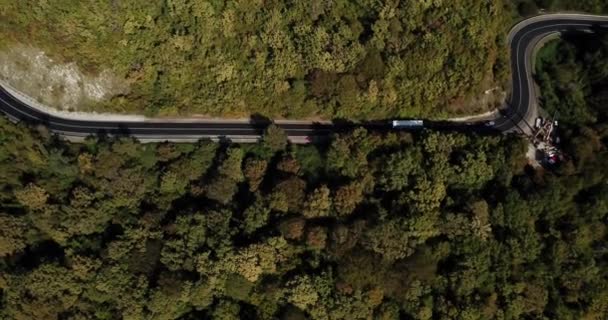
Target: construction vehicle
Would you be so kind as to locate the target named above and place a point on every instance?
(546, 140)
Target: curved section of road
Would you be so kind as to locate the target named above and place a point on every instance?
(523, 40)
(522, 110)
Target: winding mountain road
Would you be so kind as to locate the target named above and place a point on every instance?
(523, 40)
(521, 111)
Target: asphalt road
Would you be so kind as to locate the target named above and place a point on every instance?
(523, 38)
(521, 109)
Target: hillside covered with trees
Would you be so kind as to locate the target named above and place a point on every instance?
(398, 226)
(430, 225)
(359, 59)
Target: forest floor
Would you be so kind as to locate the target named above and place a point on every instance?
(533, 156)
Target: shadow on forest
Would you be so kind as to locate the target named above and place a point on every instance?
(588, 41)
(258, 124)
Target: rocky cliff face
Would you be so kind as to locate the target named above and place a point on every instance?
(60, 85)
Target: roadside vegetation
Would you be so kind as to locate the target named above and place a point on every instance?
(425, 226)
(331, 59)
(573, 73)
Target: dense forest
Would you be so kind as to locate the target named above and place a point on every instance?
(367, 226)
(362, 59)
(573, 78)
(423, 225)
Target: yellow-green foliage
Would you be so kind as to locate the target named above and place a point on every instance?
(348, 59)
(421, 226)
